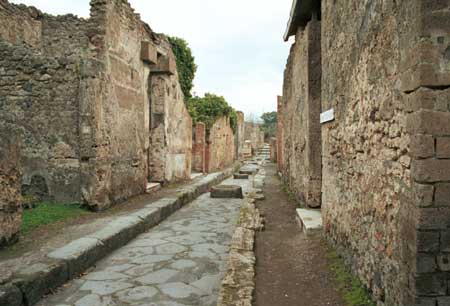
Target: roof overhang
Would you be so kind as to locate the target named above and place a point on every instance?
(301, 13)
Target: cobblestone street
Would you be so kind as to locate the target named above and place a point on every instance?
(179, 262)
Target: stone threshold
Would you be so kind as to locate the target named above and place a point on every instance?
(310, 220)
(68, 262)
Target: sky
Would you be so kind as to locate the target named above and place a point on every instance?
(238, 44)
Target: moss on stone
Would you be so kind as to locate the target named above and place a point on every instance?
(351, 288)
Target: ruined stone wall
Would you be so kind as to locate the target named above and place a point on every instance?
(280, 132)
(252, 132)
(240, 135)
(199, 148)
(117, 97)
(220, 150)
(171, 131)
(39, 99)
(301, 117)
(273, 149)
(20, 24)
(10, 201)
(385, 72)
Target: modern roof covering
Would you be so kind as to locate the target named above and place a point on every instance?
(301, 13)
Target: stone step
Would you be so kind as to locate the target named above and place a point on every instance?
(153, 187)
(310, 220)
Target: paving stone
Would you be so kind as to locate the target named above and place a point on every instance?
(140, 270)
(151, 259)
(170, 248)
(105, 275)
(208, 283)
(158, 277)
(161, 266)
(183, 264)
(104, 287)
(187, 239)
(95, 300)
(180, 290)
(137, 294)
(226, 191)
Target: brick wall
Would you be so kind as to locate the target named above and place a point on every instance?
(301, 117)
(220, 152)
(199, 148)
(280, 133)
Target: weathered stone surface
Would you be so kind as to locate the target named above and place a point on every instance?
(10, 295)
(91, 141)
(179, 262)
(255, 136)
(240, 176)
(10, 200)
(301, 112)
(220, 152)
(227, 191)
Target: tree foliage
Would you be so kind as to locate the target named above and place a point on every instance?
(185, 64)
(209, 108)
(269, 126)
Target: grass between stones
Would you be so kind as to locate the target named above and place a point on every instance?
(351, 288)
(47, 213)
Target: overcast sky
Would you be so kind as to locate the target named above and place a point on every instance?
(237, 44)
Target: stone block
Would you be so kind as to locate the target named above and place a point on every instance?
(79, 255)
(433, 284)
(426, 263)
(431, 170)
(443, 301)
(443, 261)
(166, 64)
(443, 147)
(310, 220)
(148, 53)
(240, 176)
(423, 195)
(38, 279)
(422, 146)
(429, 122)
(425, 301)
(442, 194)
(428, 242)
(10, 295)
(227, 191)
(445, 241)
(434, 218)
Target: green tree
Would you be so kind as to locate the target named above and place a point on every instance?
(185, 64)
(209, 108)
(269, 126)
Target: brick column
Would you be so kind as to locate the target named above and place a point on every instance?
(280, 133)
(426, 86)
(199, 148)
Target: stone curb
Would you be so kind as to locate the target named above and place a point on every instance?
(238, 284)
(68, 262)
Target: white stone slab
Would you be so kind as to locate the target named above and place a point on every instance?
(310, 220)
(152, 187)
(327, 116)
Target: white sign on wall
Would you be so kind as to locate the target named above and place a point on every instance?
(327, 116)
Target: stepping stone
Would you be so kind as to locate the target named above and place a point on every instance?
(310, 220)
(153, 187)
(240, 176)
(227, 192)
